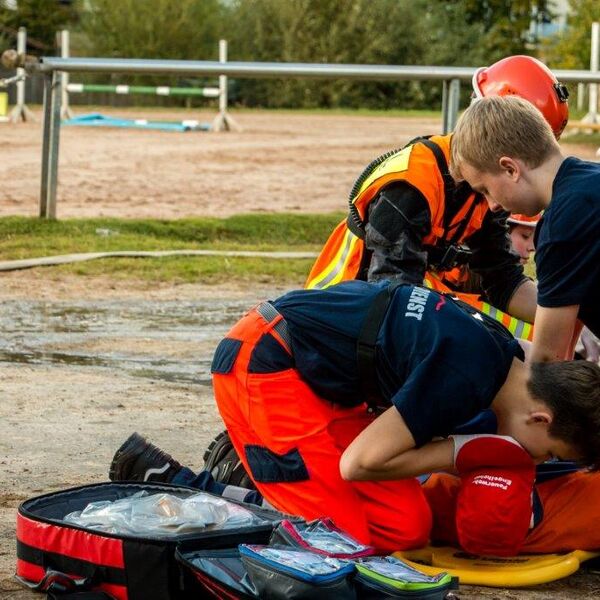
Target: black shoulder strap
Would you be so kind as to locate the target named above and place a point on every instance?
(453, 201)
(366, 344)
(442, 164)
(465, 221)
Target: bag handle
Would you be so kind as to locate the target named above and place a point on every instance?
(59, 586)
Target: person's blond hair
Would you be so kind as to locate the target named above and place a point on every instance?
(498, 126)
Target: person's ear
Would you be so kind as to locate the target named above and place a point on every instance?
(539, 416)
(510, 166)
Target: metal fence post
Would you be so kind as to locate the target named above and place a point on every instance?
(65, 111)
(592, 114)
(50, 140)
(223, 121)
(453, 104)
(445, 128)
(20, 112)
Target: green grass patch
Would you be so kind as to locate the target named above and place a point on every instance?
(581, 138)
(22, 238)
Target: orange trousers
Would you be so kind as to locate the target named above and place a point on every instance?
(570, 513)
(290, 441)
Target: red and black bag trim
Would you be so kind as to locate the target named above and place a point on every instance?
(55, 556)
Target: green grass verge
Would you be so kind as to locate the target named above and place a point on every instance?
(582, 138)
(30, 238)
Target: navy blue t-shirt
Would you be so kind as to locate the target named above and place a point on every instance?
(439, 365)
(567, 242)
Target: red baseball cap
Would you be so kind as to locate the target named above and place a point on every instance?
(494, 503)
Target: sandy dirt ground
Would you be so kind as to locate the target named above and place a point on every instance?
(60, 424)
(278, 162)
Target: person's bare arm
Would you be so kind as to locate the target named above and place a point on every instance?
(386, 450)
(524, 302)
(553, 333)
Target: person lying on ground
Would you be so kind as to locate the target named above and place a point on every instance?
(334, 400)
(505, 150)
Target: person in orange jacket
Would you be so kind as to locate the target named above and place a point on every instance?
(408, 218)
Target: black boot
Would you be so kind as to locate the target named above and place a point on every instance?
(224, 464)
(139, 460)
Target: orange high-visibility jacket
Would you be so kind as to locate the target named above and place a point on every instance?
(418, 165)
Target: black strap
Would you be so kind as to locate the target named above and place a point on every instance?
(490, 323)
(447, 255)
(366, 345)
(60, 586)
(58, 564)
(442, 164)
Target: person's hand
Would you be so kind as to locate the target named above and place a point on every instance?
(591, 345)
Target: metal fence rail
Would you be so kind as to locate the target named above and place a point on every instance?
(51, 67)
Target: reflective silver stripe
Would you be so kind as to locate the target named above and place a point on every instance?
(282, 329)
(269, 313)
(493, 313)
(518, 332)
(233, 492)
(339, 266)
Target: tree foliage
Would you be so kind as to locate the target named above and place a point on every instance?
(505, 23)
(42, 18)
(185, 29)
(325, 31)
(571, 49)
(396, 32)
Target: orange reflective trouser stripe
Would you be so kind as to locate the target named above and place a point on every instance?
(278, 414)
(520, 329)
(571, 512)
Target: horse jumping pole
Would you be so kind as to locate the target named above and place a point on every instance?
(222, 122)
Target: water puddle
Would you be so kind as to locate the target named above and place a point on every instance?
(167, 340)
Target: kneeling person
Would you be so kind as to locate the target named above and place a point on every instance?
(292, 376)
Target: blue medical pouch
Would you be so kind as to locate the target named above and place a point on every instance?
(285, 573)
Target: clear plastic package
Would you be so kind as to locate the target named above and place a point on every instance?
(162, 514)
(301, 560)
(320, 536)
(390, 566)
(333, 542)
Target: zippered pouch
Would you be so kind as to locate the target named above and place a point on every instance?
(220, 572)
(389, 577)
(322, 537)
(285, 573)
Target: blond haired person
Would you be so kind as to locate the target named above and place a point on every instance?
(505, 150)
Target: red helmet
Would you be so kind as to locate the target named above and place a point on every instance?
(517, 219)
(530, 79)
